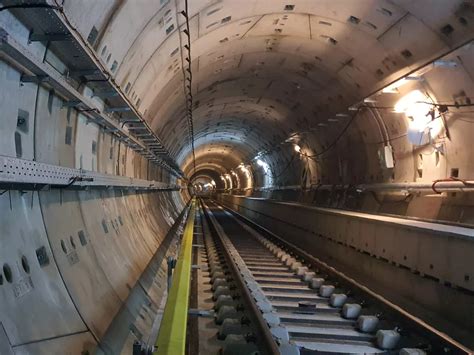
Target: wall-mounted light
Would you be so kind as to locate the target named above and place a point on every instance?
(297, 148)
(393, 88)
(368, 100)
(423, 122)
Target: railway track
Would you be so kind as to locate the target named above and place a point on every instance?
(271, 297)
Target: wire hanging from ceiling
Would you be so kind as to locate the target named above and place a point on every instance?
(188, 82)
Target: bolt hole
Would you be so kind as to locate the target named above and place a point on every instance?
(25, 264)
(431, 266)
(406, 53)
(463, 21)
(63, 246)
(7, 272)
(447, 30)
(71, 239)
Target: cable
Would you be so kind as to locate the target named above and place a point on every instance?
(285, 168)
(445, 105)
(344, 130)
(389, 140)
(188, 87)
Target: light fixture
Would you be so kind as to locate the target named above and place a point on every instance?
(368, 100)
(393, 88)
(445, 63)
(422, 124)
(261, 162)
(297, 148)
(412, 102)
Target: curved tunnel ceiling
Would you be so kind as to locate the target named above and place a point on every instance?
(274, 89)
(263, 70)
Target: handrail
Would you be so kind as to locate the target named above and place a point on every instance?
(172, 335)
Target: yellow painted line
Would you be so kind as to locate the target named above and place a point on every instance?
(172, 335)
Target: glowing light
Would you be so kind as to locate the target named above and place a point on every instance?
(261, 162)
(244, 168)
(416, 106)
(370, 101)
(297, 148)
(412, 103)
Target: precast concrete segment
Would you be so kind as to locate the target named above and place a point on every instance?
(143, 309)
(329, 323)
(38, 72)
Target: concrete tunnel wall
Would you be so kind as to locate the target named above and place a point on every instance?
(255, 88)
(70, 259)
(267, 71)
(268, 75)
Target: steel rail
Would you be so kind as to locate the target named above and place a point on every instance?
(412, 321)
(268, 340)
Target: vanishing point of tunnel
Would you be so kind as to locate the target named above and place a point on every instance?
(236, 177)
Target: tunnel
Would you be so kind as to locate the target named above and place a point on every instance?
(154, 152)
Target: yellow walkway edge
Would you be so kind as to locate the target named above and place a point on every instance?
(172, 335)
